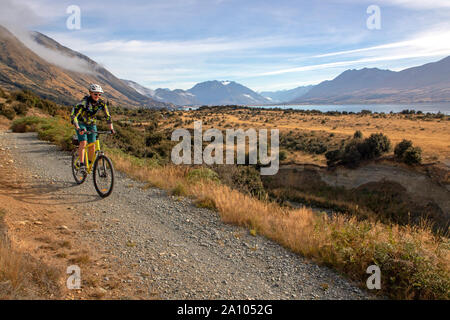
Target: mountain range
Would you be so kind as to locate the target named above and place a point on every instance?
(426, 83)
(205, 93)
(59, 73)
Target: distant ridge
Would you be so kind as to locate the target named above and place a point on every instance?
(286, 95)
(426, 83)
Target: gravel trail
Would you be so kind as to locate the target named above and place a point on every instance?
(183, 251)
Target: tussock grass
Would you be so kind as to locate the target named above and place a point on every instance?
(10, 265)
(22, 277)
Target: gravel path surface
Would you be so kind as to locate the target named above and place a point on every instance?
(184, 251)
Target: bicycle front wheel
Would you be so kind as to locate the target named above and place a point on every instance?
(103, 176)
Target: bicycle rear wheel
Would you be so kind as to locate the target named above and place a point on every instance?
(103, 176)
(79, 176)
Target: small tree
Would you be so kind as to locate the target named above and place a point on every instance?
(358, 135)
(375, 146)
(400, 148)
(7, 111)
(413, 155)
(283, 155)
(154, 139)
(333, 157)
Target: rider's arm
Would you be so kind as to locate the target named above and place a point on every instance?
(76, 111)
(108, 116)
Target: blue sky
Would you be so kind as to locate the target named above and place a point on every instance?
(265, 45)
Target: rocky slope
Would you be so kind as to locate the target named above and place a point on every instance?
(21, 68)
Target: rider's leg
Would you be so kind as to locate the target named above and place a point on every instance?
(91, 152)
(83, 142)
(91, 138)
(81, 148)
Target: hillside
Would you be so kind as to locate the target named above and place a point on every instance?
(426, 83)
(286, 95)
(21, 68)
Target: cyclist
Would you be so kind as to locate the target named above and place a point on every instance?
(84, 119)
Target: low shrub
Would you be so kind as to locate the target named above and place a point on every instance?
(407, 153)
(206, 202)
(179, 190)
(356, 150)
(283, 155)
(401, 147)
(7, 111)
(358, 135)
(413, 155)
(21, 108)
(203, 175)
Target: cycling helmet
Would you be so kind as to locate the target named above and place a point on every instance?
(95, 88)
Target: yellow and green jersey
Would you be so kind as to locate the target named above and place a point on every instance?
(85, 111)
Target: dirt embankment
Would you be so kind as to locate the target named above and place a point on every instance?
(417, 191)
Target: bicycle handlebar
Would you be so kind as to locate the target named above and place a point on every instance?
(98, 132)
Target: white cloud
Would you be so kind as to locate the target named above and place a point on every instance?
(434, 43)
(418, 4)
(408, 4)
(16, 16)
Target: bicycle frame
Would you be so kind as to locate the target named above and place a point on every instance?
(90, 164)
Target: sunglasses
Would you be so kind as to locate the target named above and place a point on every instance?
(97, 94)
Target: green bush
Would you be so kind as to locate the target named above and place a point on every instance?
(154, 138)
(249, 180)
(356, 150)
(333, 156)
(358, 135)
(353, 153)
(375, 146)
(21, 108)
(7, 111)
(413, 155)
(283, 155)
(401, 147)
(407, 153)
(202, 174)
(179, 190)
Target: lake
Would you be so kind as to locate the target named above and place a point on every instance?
(386, 108)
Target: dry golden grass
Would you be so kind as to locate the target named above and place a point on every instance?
(11, 264)
(432, 135)
(21, 277)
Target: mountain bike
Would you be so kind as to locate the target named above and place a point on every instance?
(101, 167)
